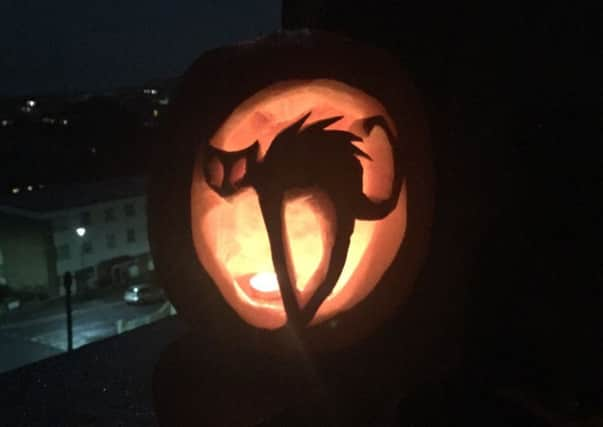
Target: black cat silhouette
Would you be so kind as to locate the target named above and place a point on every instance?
(309, 158)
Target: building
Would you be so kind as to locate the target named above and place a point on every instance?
(98, 230)
(27, 254)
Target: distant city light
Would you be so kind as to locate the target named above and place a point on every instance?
(16, 190)
(31, 103)
(26, 109)
(41, 186)
(4, 123)
(164, 101)
(155, 113)
(65, 122)
(49, 120)
(150, 91)
(29, 188)
(93, 150)
(80, 231)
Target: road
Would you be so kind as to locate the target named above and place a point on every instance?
(29, 336)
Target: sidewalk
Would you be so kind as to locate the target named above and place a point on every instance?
(56, 305)
(16, 352)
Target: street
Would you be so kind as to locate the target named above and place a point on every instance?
(29, 336)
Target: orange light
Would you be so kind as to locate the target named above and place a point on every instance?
(230, 236)
(265, 282)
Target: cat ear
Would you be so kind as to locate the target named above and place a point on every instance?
(253, 152)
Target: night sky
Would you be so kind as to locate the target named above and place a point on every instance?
(70, 46)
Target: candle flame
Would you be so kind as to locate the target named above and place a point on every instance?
(264, 282)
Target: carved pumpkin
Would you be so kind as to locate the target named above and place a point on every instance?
(308, 180)
(231, 231)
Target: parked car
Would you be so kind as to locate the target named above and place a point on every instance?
(143, 294)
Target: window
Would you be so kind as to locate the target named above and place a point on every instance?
(133, 271)
(87, 248)
(85, 218)
(129, 210)
(109, 215)
(61, 223)
(131, 235)
(111, 241)
(63, 252)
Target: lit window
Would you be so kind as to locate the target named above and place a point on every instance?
(164, 101)
(30, 188)
(155, 113)
(131, 235)
(5, 123)
(31, 103)
(65, 122)
(16, 190)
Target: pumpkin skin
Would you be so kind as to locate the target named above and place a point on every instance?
(206, 245)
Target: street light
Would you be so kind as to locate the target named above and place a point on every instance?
(67, 282)
(81, 232)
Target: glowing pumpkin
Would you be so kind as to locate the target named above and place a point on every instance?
(230, 230)
(301, 173)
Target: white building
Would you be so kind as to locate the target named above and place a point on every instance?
(99, 230)
(85, 236)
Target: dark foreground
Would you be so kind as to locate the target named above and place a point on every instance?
(106, 383)
(110, 383)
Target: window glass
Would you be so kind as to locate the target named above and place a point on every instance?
(129, 209)
(111, 241)
(85, 218)
(63, 252)
(87, 248)
(109, 215)
(131, 235)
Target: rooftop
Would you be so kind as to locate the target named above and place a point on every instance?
(58, 197)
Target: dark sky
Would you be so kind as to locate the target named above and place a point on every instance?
(73, 45)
